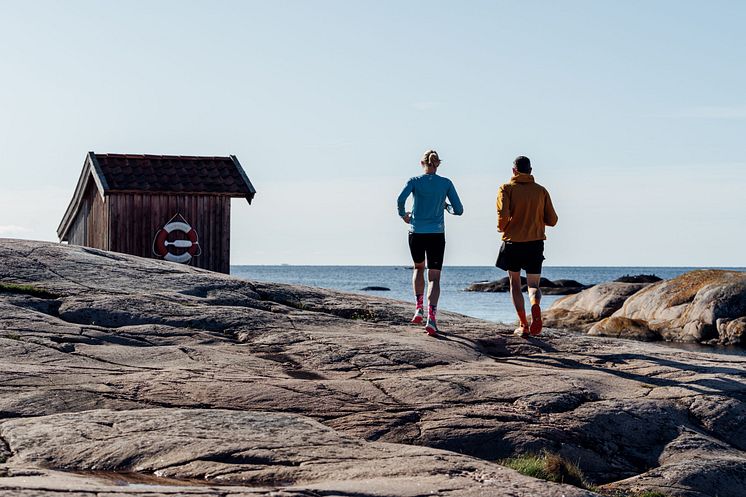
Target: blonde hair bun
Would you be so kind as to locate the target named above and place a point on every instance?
(429, 157)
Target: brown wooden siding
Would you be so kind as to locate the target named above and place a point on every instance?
(136, 218)
(90, 227)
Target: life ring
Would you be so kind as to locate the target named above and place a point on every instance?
(161, 243)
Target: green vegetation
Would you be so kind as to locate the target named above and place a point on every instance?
(553, 467)
(12, 336)
(26, 290)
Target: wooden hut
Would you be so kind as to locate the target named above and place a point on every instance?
(176, 208)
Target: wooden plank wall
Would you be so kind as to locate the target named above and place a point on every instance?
(90, 227)
(136, 218)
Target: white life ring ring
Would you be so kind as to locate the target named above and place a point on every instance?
(161, 243)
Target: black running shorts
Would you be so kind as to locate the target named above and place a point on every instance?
(515, 256)
(432, 245)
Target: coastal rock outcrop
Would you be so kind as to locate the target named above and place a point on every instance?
(549, 287)
(699, 306)
(128, 376)
(582, 310)
(638, 278)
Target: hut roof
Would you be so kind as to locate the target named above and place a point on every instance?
(167, 174)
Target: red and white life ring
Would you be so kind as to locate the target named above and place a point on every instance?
(161, 243)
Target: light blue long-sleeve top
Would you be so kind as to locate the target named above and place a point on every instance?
(430, 192)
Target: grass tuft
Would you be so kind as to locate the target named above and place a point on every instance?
(552, 467)
(26, 290)
(547, 466)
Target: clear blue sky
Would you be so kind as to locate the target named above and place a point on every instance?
(633, 113)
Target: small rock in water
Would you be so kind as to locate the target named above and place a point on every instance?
(549, 287)
(376, 289)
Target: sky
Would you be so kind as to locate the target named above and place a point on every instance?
(633, 114)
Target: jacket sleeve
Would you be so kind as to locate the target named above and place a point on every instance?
(503, 208)
(458, 207)
(408, 188)
(550, 217)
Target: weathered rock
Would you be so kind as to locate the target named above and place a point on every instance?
(732, 331)
(175, 381)
(620, 327)
(254, 449)
(583, 309)
(549, 287)
(697, 464)
(638, 278)
(686, 309)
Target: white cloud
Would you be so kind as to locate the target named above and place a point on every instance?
(12, 230)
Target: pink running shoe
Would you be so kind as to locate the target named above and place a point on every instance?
(431, 327)
(419, 316)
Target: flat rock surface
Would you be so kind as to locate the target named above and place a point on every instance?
(140, 377)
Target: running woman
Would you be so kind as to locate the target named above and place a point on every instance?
(427, 239)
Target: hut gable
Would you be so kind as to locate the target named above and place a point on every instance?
(122, 200)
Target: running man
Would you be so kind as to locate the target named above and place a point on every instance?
(427, 239)
(523, 210)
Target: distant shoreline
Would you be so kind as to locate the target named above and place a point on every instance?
(728, 268)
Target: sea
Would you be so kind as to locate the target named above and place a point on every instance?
(495, 307)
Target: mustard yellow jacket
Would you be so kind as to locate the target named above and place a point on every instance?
(524, 209)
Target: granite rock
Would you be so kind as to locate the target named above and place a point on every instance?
(584, 309)
(699, 306)
(548, 287)
(128, 376)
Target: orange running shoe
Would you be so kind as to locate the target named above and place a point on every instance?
(535, 328)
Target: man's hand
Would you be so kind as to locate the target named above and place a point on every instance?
(407, 217)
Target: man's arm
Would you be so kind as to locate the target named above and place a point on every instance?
(550, 217)
(503, 209)
(403, 198)
(458, 207)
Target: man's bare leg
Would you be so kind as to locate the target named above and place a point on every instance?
(517, 297)
(534, 297)
(418, 286)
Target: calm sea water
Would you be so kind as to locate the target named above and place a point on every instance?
(490, 306)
